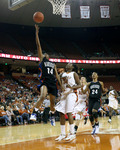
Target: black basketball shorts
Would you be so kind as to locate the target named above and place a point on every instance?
(50, 84)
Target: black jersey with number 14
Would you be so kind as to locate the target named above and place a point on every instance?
(47, 69)
(95, 90)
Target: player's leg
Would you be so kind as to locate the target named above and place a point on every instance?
(52, 109)
(52, 102)
(110, 114)
(78, 117)
(43, 93)
(62, 126)
(85, 114)
(72, 134)
(116, 111)
(95, 115)
(70, 103)
(91, 118)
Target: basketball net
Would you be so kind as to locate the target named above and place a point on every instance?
(58, 6)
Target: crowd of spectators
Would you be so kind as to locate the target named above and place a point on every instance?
(17, 103)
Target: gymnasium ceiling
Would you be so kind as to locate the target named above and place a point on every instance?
(23, 16)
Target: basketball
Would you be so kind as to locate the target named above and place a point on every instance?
(38, 17)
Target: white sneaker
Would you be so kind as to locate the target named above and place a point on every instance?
(70, 137)
(109, 121)
(33, 117)
(97, 129)
(52, 121)
(61, 137)
(93, 131)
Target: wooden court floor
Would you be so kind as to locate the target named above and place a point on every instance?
(41, 137)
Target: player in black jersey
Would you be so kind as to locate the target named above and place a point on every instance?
(95, 88)
(48, 76)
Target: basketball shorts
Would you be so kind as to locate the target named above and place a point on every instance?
(93, 104)
(113, 104)
(66, 105)
(79, 107)
(50, 84)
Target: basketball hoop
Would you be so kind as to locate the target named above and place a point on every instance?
(58, 6)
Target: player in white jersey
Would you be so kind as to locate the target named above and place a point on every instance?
(67, 102)
(113, 102)
(80, 105)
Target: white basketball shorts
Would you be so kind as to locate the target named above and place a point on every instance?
(113, 104)
(79, 107)
(67, 105)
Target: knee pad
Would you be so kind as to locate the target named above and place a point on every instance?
(95, 114)
(91, 118)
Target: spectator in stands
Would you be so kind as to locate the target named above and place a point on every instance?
(24, 114)
(3, 115)
(10, 114)
(17, 115)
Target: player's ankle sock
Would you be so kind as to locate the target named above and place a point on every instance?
(97, 123)
(109, 117)
(72, 129)
(63, 129)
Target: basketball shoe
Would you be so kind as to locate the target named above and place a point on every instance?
(70, 137)
(61, 137)
(97, 129)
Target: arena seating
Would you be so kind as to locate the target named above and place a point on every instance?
(115, 47)
(27, 43)
(23, 44)
(28, 81)
(8, 46)
(110, 81)
(65, 47)
(92, 49)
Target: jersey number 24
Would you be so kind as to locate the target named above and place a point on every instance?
(94, 91)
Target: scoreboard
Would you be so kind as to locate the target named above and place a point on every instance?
(15, 4)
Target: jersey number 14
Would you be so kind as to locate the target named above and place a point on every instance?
(50, 71)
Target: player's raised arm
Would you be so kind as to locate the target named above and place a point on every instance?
(40, 54)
